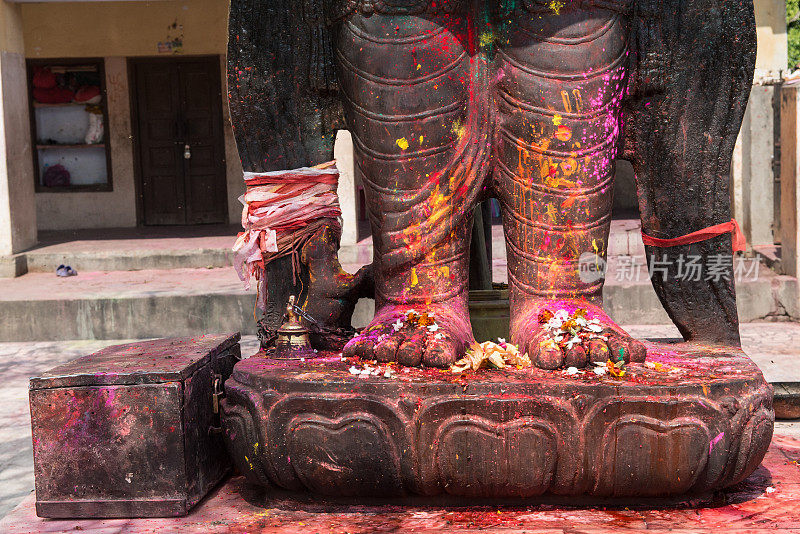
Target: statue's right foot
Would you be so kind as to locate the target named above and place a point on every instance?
(561, 333)
(435, 335)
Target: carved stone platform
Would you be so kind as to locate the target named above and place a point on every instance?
(701, 420)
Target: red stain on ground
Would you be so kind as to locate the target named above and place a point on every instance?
(767, 501)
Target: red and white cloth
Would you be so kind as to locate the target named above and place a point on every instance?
(282, 209)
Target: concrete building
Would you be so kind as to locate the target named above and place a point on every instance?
(151, 52)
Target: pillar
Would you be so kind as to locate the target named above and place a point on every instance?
(17, 201)
(753, 175)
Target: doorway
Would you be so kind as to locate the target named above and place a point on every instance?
(178, 137)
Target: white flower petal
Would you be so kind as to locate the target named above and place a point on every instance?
(554, 324)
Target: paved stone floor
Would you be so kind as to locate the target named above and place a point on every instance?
(772, 345)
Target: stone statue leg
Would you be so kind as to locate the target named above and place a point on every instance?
(689, 96)
(560, 84)
(404, 81)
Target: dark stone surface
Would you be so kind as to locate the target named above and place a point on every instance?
(128, 431)
(450, 102)
(702, 422)
(687, 68)
(283, 106)
(144, 362)
(694, 62)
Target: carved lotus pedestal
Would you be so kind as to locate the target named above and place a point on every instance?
(698, 420)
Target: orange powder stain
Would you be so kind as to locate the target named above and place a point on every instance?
(564, 133)
(569, 166)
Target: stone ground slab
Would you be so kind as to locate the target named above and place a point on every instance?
(769, 501)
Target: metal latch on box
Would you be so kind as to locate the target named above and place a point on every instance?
(217, 392)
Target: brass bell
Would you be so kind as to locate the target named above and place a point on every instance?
(293, 340)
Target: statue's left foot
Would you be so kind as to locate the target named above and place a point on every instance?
(561, 333)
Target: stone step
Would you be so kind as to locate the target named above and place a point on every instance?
(133, 249)
(185, 302)
(786, 400)
(134, 260)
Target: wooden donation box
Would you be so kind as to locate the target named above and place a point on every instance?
(132, 430)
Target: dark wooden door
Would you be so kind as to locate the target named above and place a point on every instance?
(178, 113)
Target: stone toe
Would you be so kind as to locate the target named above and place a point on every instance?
(439, 353)
(618, 349)
(638, 351)
(351, 349)
(548, 356)
(576, 357)
(598, 350)
(386, 350)
(410, 352)
(366, 350)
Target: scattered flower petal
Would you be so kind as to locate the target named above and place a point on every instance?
(493, 355)
(574, 341)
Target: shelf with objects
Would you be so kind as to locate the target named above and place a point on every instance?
(68, 125)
